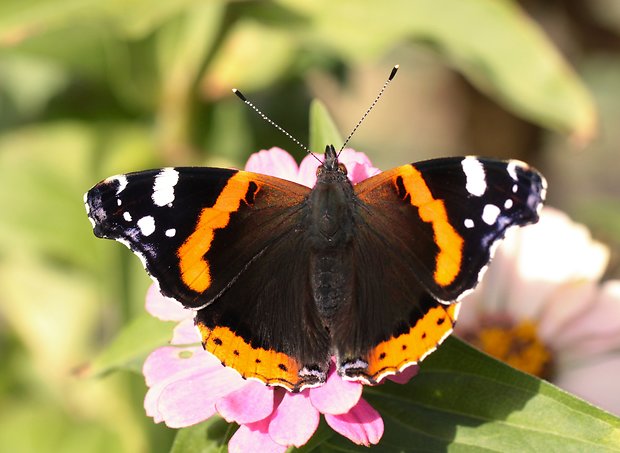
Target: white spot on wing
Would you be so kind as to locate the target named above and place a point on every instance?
(358, 364)
(127, 216)
(508, 203)
(512, 170)
(163, 188)
(146, 225)
(118, 201)
(307, 372)
(490, 214)
(86, 205)
(469, 223)
(122, 182)
(515, 188)
(476, 179)
(171, 232)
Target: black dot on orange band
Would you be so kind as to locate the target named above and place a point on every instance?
(400, 187)
(382, 356)
(282, 367)
(404, 347)
(257, 361)
(217, 341)
(440, 321)
(423, 335)
(249, 196)
(236, 352)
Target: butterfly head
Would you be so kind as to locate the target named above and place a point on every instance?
(331, 165)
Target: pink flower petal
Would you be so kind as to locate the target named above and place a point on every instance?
(362, 424)
(164, 363)
(406, 375)
(165, 308)
(597, 330)
(349, 156)
(358, 165)
(254, 437)
(273, 162)
(563, 308)
(185, 333)
(595, 381)
(192, 399)
(307, 170)
(250, 403)
(294, 420)
(336, 396)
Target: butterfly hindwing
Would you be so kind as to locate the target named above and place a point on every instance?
(395, 321)
(215, 240)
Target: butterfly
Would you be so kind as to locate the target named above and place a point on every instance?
(283, 277)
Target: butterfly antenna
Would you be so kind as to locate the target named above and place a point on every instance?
(385, 85)
(269, 120)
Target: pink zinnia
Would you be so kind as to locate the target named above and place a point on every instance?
(188, 385)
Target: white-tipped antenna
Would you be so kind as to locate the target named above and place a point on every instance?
(266, 118)
(385, 85)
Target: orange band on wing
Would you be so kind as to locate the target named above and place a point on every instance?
(450, 243)
(395, 354)
(195, 270)
(270, 367)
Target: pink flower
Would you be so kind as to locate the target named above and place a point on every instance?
(541, 308)
(188, 385)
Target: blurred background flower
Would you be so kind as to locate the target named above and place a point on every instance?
(90, 89)
(542, 309)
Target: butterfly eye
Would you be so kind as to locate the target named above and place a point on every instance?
(342, 169)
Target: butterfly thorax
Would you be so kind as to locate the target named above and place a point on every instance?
(330, 231)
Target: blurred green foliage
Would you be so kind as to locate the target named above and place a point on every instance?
(97, 87)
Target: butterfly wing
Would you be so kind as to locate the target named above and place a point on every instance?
(216, 240)
(436, 224)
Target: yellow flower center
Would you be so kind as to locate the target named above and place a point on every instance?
(517, 345)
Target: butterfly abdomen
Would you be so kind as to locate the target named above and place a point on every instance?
(331, 281)
(330, 232)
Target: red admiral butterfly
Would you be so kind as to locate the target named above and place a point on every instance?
(283, 276)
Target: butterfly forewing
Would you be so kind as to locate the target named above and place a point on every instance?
(449, 214)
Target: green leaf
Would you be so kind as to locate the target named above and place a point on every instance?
(463, 400)
(42, 200)
(183, 46)
(492, 42)
(131, 346)
(23, 18)
(323, 130)
(251, 57)
(210, 436)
